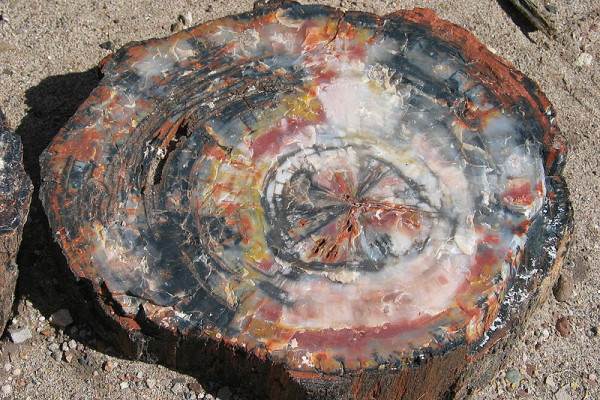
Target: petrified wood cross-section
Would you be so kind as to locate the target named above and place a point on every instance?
(15, 195)
(369, 203)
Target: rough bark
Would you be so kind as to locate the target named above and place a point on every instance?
(15, 196)
(314, 203)
(537, 14)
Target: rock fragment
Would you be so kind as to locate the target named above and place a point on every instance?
(61, 318)
(584, 60)
(563, 290)
(563, 326)
(15, 196)
(19, 335)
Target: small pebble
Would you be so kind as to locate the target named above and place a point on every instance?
(7, 367)
(513, 376)
(57, 355)
(6, 390)
(53, 347)
(108, 366)
(61, 318)
(563, 394)
(563, 288)
(108, 45)
(186, 18)
(124, 385)
(584, 60)
(224, 393)
(72, 344)
(16, 371)
(177, 388)
(176, 27)
(82, 361)
(563, 327)
(196, 387)
(550, 381)
(19, 335)
(530, 369)
(64, 346)
(150, 383)
(69, 356)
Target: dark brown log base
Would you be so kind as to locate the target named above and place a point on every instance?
(15, 196)
(314, 203)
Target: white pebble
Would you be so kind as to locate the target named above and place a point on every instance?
(6, 390)
(584, 60)
(123, 385)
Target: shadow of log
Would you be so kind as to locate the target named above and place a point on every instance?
(46, 280)
(44, 277)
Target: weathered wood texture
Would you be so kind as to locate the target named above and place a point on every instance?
(314, 203)
(15, 196)
(536, 13)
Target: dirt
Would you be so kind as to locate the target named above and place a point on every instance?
(49, 51)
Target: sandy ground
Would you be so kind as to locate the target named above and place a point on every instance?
(49, 49)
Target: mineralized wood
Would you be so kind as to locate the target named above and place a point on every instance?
(314, 203)
(537, 14)
(15, 195)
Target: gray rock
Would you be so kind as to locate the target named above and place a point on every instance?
(224, 393)
(563, 394)
(61, 318)
(513, 376)
(584, 60)
(177, 388)
(563, 288)
(6, 390)
(19, 335)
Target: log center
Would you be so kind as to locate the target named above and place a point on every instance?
(340, 208)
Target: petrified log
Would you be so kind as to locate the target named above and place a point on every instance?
(536, 13)
(369, 204)
(15, 196)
